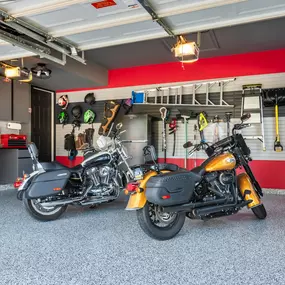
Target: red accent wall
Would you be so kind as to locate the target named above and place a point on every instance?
(269, 173)
(209, 68)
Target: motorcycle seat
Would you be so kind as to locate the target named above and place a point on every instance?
(200, 170)
(167, 166)
(161, 166)
(52, 166)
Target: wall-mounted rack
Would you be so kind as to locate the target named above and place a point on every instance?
(175, 95)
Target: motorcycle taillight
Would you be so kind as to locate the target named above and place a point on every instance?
(132, 186)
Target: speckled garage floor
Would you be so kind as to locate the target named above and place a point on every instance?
(106, 246)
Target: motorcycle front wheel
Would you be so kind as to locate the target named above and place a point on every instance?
(158, 224)
(43, 213)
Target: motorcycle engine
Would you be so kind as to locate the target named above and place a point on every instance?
(221, 182)
(103, 179)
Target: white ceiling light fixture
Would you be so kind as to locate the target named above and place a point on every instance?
(186, 52)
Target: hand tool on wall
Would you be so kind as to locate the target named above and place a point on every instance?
(277, 144)
(172, 130)
(185, 122)
(228, 120)
(275, 98)
(163, 114)
(195, 142)
(216, 136)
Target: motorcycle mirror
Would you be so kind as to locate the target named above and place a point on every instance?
(245, 117)
(188, 144)
(119, 126)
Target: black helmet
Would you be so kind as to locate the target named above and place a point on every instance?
(76, 124)
(89, 99)
(76, 112)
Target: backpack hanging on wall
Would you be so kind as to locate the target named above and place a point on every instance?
(69, 142)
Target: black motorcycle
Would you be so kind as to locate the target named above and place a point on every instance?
(48, 190)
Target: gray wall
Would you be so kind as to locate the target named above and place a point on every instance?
(22, 103)
(5, 100)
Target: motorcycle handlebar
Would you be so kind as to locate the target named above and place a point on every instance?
(222, 143)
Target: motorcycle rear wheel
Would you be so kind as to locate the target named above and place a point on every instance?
(41, 213)
(173, 222)
(260, 212)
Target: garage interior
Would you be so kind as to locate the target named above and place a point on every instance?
(55, 53)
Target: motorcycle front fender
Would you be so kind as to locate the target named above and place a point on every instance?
(138, 200)
(244, 184)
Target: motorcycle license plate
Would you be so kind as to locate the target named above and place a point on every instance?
(138, 173)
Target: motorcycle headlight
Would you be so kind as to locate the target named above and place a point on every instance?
(104, 142)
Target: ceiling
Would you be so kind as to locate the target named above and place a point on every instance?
(252, 37)
(124, 34)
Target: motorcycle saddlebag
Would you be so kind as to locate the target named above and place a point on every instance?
(172, 188)
(48, 184)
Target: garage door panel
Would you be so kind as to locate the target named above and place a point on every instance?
(9, 51)
(24, 4)
(224, 15)
(84, 14)
(117, 33)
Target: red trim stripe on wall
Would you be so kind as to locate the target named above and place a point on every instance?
(270, 174)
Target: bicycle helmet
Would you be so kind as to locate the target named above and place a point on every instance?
(89, 99)
(89, 117)
(63, 101)
(63, 117)
(76, 112)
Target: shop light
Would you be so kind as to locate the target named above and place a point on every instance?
(27, 74)
(12, 72)
(186, 51)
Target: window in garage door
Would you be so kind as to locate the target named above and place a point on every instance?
(42, 130)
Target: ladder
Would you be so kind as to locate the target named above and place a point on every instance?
(175, 95)
(252, 103)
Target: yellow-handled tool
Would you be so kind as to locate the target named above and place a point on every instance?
(277, 145)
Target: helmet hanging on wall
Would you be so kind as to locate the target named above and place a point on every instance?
(76, 124)
(63, 101)
(89, 99)
(76, 112)
(63, 117)
(89, 117)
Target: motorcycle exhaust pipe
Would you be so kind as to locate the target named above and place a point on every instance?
(60, 202)
(189, 206)
(97, 201)
(214, 209)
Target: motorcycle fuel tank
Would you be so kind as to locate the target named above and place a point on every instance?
(99, 158)
(225, 161)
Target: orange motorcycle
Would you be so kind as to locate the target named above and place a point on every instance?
(211, 190)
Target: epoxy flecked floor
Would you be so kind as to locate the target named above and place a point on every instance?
(106, 246)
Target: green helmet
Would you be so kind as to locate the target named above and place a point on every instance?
(89, 117)
(63, 117)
